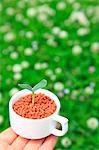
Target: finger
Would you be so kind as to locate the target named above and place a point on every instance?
(49, 143)
(4, 145)
(58, 125)
(19, 143)
(34, 144)
(8, 136)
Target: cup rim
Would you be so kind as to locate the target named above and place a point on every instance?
(44, 91)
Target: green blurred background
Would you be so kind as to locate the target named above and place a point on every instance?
(58, 41)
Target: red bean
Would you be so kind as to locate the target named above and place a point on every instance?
(43, 106)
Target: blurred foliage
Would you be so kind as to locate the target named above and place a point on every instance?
(47, 34)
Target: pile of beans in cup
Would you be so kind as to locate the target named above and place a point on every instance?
(43, 106)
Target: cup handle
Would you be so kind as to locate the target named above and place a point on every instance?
(64, 122)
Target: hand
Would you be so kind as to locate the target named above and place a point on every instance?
(11, 141)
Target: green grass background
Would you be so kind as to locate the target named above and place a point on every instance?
(74, 75)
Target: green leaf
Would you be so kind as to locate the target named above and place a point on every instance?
(40, 85)
(25, 86)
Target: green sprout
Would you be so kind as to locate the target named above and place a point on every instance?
(40, 85)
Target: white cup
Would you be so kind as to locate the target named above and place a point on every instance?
(37, 128)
